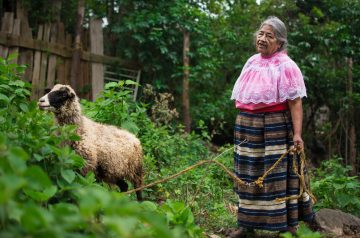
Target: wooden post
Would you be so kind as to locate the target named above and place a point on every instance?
(76, 58)
(60, 63)
(16, 32)
(138, 75)
(21, 12)
(56, 9)
(7, 27)
(82, 78)
(26, 56)
(68, 42)
(50, 79)
(36, 71)
(185, 92)
(96, 47)
(44, 62)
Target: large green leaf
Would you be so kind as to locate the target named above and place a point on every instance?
(41, 196)
(68, 175)
(4, 98)
(17, 158)
(37, 178)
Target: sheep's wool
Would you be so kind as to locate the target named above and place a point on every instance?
(113, 154)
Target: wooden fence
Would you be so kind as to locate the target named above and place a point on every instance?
(49, 55)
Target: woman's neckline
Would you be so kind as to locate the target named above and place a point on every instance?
(272, 55)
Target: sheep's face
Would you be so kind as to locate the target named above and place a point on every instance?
(56, 98)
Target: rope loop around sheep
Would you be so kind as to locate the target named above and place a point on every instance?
(304, 185)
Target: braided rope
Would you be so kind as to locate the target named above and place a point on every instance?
(303, 188)
(259, 182)
(201, 162)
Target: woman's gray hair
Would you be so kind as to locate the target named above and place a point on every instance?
(279, 29)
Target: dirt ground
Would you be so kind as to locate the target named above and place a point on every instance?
(231, 233)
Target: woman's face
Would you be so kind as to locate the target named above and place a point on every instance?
(266, 43)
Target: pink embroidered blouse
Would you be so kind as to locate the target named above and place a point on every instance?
(267, 82)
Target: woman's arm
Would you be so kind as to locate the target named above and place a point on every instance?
(297, 119)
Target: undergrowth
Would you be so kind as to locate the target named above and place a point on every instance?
(43, 194)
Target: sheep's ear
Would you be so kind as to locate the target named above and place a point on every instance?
(47, 90)
(68, 93)
(71, 95)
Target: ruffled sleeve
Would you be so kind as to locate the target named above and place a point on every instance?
(236, 90)
(291, 82)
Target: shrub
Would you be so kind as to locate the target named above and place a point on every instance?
(43, 195)
(335, 189)
(168, 150)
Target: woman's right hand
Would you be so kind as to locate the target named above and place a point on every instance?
(298, 142)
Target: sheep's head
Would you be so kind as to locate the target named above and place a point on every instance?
(58, 97)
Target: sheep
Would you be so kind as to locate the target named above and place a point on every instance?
(113, 154)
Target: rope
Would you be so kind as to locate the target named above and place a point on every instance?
(201, 162)
(301, 176)
(259, 182)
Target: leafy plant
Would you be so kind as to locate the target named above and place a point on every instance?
(115, 106)
(335, 189)
(43, 195)
(178, 215)
(167, 151)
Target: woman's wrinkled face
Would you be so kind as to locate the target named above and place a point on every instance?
(266, 43)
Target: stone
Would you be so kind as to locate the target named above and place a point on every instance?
(337, 222)
(214, 236)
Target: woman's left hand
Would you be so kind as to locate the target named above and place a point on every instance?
(298, 142)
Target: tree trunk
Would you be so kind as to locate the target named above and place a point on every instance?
(110, 10)
(185, 93)
(76, 57)
(351, 119)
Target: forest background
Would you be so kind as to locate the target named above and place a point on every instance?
(323, 40)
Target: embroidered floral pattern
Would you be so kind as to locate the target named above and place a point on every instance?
(269, 80)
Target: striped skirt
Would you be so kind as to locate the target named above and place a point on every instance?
(268, 136)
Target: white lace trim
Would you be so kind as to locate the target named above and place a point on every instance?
(285, 90)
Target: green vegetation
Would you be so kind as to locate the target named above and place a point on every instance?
(334, 187)
(44, 195)
(207, 190)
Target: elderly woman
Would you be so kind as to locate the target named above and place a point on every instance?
(268, 93)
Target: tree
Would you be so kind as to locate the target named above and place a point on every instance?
(185, 93)
(152, 33)
(334, 43)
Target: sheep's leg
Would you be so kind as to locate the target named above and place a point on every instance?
(138, 193)
(138, 182)
(122, 185)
